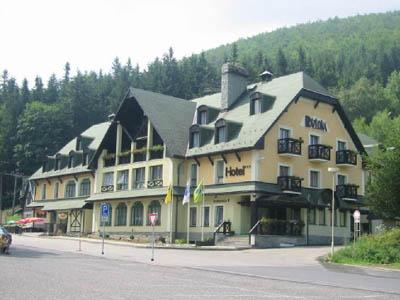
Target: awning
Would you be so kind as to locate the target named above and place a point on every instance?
(129, 194)
(64, 204)
(34, 204)
(286, 200)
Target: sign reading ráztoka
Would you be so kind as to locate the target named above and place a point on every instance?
(315, 123)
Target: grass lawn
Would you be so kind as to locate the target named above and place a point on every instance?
(382, 250)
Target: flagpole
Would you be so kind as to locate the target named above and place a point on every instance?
(171, 214)
(202, 216)
(188, 220)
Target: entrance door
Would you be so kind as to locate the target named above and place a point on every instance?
(76, 218)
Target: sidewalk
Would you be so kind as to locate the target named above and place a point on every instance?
(137, 245)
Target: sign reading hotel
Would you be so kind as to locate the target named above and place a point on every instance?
(229, 171)
(315, 123)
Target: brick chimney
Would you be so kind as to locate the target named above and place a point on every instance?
(233, 84)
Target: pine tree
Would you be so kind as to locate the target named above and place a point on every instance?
(282, 63)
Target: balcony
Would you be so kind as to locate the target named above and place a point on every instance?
(347, 191)
(289, 147)
(124, 159)
(154, 183)
(109, 161)
(140, 156)
(346, 158)
(319, 152)
(290, 184)
(107, 188)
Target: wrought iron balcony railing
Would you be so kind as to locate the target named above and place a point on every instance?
(347, 191)
(319, 152)
(107, 188)
(346, 157)
(290, 183)
(154, 183)
(289, 146)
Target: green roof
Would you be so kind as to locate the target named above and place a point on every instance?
(284, 89)
(65, 204)
(95, 133)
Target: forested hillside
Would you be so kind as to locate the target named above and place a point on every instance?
(357, 58)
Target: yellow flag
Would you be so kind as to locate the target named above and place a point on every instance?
(168, 197)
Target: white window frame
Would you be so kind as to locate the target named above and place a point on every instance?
(284, 165)
(315, 134)
(341, 174)
(341, 140)
(190, 172)
(215, 171)
(286, 128)
(190, 216)
(319, 178)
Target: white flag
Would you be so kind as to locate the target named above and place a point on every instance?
(186, 195)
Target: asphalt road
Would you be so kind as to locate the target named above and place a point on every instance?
(52, 269)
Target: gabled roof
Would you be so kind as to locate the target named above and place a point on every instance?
(170, 116)
(285, 89)
(95, 133)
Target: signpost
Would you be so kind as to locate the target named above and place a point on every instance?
(105, 215)
(153, 219)
(356, 216)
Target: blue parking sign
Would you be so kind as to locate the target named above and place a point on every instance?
(105, 211)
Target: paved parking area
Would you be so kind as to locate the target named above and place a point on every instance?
(53, 269)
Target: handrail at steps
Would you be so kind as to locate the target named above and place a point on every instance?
(254, 228)
(226, 225)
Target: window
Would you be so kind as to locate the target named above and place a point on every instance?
(154, 208)
(71, 161)
(219, 215)
(121, 215)
(193, 217)
(314, 179)
(70, 189)
(109, 221)
(342, 218)
(314, 139)
(122, 180)
(206, 216)
(85, 159)
(255, 106)
(84, 189)
(284, 170)
(137, 214)
(194, 139)
(139, 179)
(78, 144)
(219, 171)
(284, 133)
(57, 165)
(294, 214)
(311, 216)
(108, 179)
(341, 145)
(44, 192)
(56, 188)
(193, 174)
(156, 172)
(322, 216)
(220, 136)
(341, 179)
(202, 117)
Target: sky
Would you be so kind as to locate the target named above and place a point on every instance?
(39, 37)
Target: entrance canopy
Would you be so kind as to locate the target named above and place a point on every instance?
(64, 204)
(282, 200)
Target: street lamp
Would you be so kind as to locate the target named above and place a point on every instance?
(333, 171)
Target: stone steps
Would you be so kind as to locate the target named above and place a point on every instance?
(234, 241)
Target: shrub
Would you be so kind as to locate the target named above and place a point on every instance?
(180, 241)
(382, 248)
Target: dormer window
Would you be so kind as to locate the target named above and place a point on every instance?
(220, 132)
(256, 106)
(260, 103)
(85, 159)
(57, 163)
(71, 160)
(78, 144)
(194, 137)
(203, 117)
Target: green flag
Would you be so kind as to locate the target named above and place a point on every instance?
(198, 193)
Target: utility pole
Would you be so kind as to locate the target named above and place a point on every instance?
(15, 193)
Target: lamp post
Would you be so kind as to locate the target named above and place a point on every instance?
(333, 171)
